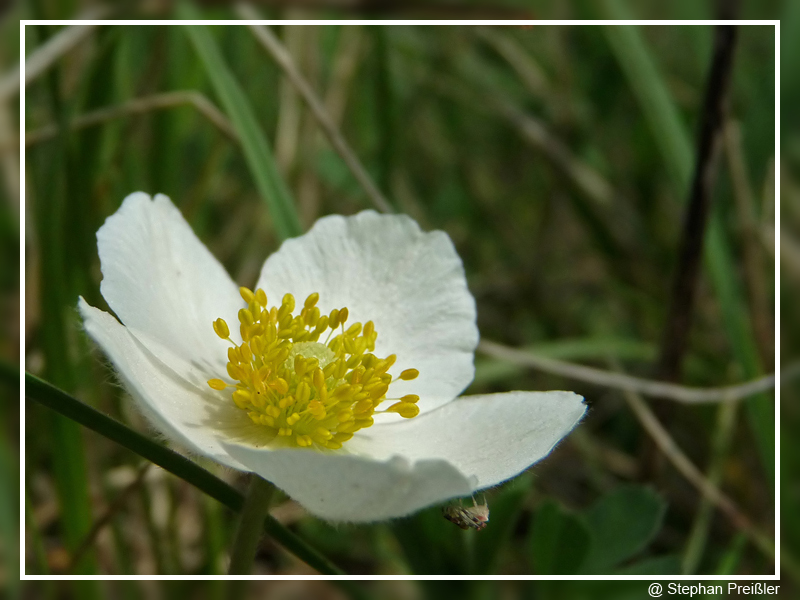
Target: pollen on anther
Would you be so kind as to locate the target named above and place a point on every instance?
(217, 384)
(221, 329)
(409, 374)
(301, 385)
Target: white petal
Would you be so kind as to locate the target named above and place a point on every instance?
(170, 391)
(410, 283)
(339, 487)
(160, 279)
(487, 438)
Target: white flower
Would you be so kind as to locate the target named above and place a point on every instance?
(167, 290)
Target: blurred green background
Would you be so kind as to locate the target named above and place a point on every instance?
(556, 157)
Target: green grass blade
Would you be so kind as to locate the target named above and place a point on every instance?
(51, 192)
(75, 410)
(256, 149)
(654, 98)
(675, 145)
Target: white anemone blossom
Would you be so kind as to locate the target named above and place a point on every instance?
(348, 402)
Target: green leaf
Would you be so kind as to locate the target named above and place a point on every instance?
(256, 149)
(621, 524)
(654, 565)
(431, 544)
(559, 541)
(504, 513)
(77, 411)
(732, 558)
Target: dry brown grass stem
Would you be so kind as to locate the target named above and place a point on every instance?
(663, 440)
(284, 60)
(48, 53)
(140, 106)
(646, 387)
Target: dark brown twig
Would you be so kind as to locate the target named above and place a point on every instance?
(678, 320)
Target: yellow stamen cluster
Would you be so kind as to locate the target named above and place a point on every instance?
(303, 390)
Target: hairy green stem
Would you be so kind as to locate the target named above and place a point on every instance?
(254, 511)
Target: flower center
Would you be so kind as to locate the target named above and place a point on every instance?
(300, 388)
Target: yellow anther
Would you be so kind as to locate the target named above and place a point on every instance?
(242, 398)
(286, 401)
(236, 372)
(279, 385)
(409, 374)
(233, 355)
(365, 422)
(312, 317)
(244, 353)
(329, 369)
(379, 391)
(353, 330)
(261, 298)
(303, 440)
(246, 294)
(293, 418)
(407, 410)
(412, 398)
(322, 324)
(285, 431)
(342, 391)
(258, 345)
(311, 300)
(319, 378)
(385, 364)
(288, 302)
(317, 409)
(273, 411)
(323, 433)
(344, 415)
(217, 384)
(369, 328)
(333, 318)
(343, 314)
(246, 317)
(221, 329)
(300, 365)
(303, 392)
(362, 406)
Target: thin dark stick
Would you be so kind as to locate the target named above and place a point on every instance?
(678, 321)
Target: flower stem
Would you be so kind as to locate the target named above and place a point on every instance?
(251, 525)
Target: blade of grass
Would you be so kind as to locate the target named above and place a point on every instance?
(256, 149)
(674, 142)
(40, 391)
(283, 59)
(51, 208)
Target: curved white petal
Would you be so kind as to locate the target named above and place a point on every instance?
(411, 283)
(160, 279)
(488, 438)
(341, 487)
(170, 391)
